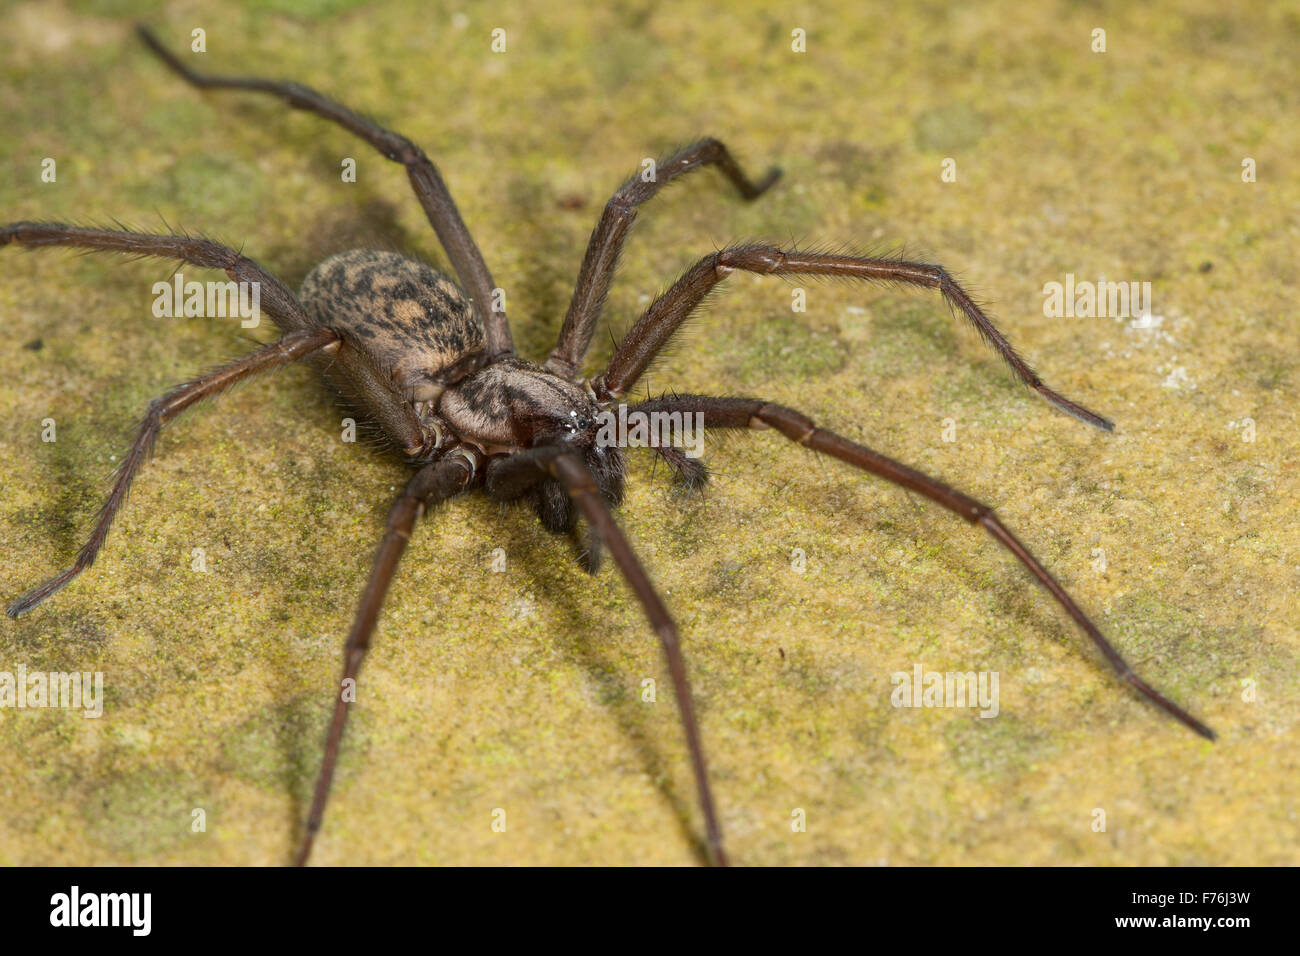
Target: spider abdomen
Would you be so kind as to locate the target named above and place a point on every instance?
(414, 323)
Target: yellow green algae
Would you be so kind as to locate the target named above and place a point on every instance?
(522, 690)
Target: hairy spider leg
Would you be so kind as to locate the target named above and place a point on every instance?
(754, 413)
(426, 181)
(606, 243)
(667, 313)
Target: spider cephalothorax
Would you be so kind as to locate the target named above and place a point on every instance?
(520, 413)
(434, 368)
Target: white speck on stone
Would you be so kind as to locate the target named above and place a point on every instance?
(523, 607)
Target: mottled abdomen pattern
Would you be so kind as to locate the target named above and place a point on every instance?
(413, 322)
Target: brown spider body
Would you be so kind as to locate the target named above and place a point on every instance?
(413, 322)
(434, 367)
(422, 335)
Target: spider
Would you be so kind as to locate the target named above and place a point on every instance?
(433, 366)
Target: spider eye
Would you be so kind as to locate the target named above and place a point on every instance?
(575, 423)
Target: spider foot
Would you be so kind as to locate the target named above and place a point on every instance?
(690, 475)
(38, 594)
(1074, 409)
(591, 557)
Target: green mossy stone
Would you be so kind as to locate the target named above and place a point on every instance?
(524, 690)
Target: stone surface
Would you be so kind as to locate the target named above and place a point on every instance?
(522, 690)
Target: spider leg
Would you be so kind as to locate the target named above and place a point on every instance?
(753, 413)
(350, 369)
(425, 179)
(432, 484)
(667, 313)
(523, 475)
(578, 481)
(606, 242)
(294, 346)
(281, 304)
